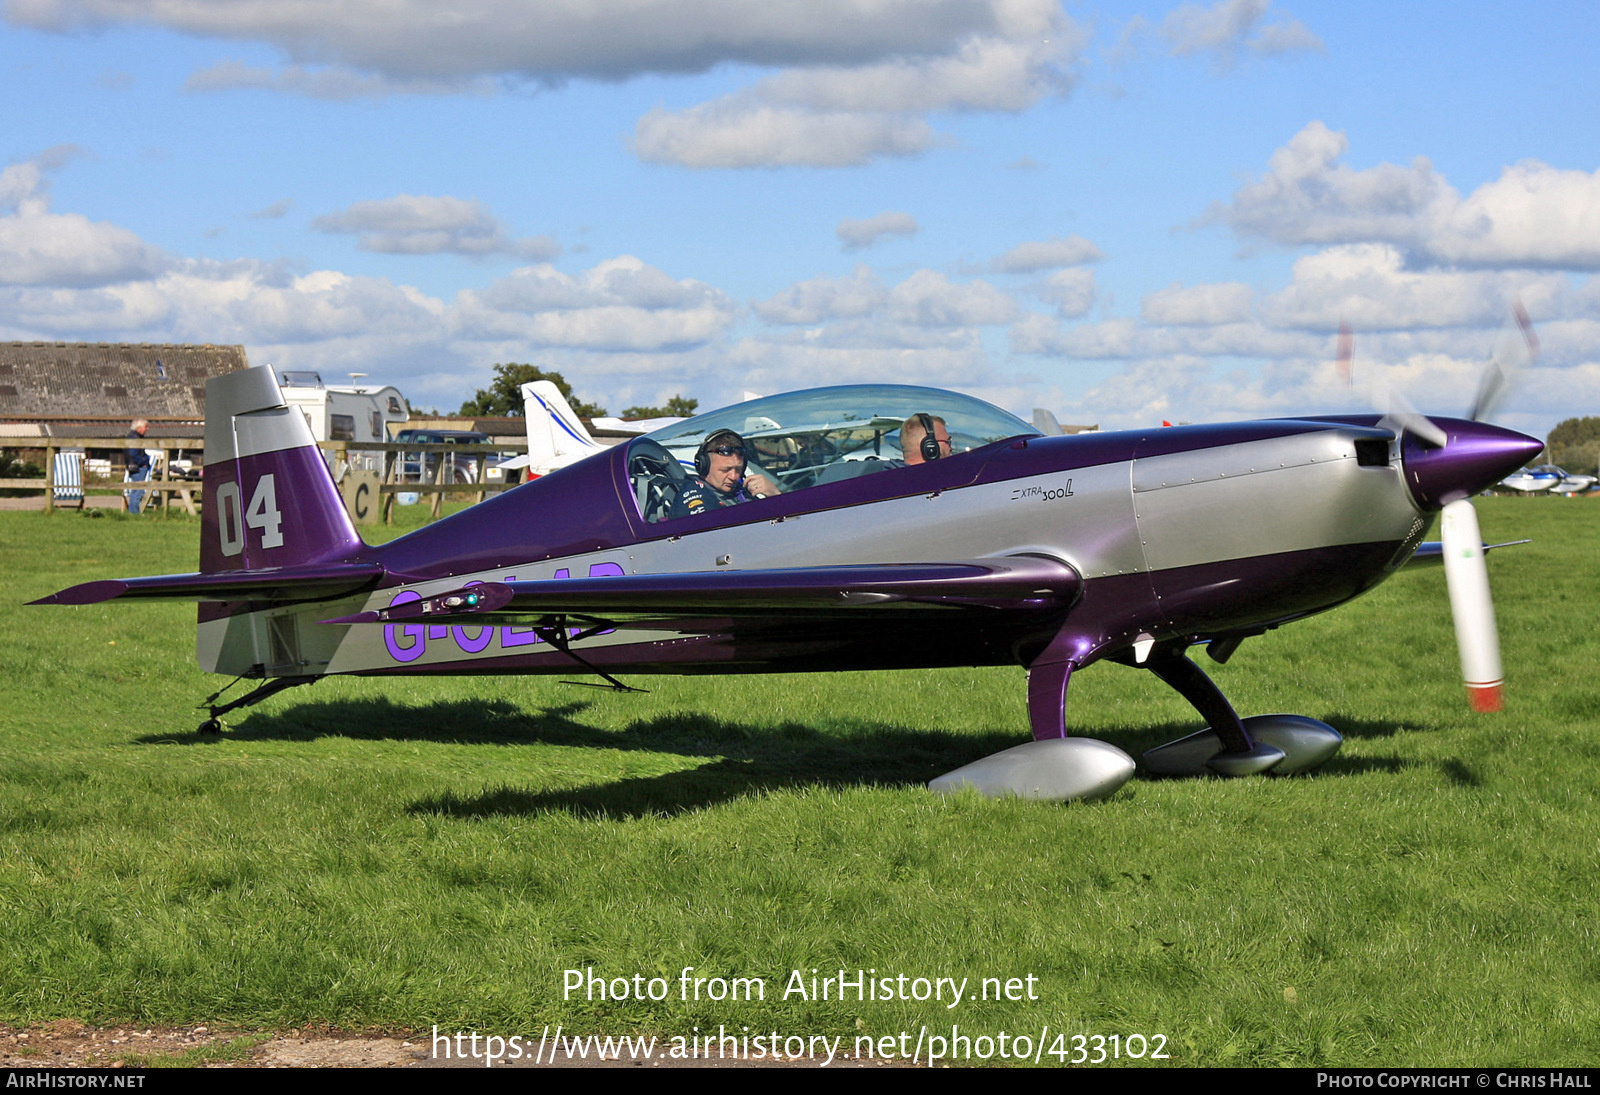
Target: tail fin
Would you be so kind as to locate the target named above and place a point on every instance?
(269, 500)
(556, 437)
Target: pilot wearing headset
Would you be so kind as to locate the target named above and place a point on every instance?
(719, 478)
(923, 437)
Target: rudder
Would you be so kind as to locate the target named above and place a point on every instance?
(269, 500)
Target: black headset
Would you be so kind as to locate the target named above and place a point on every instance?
(930, 444)
(702, 455)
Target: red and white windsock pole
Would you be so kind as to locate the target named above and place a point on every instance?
(1468, 580)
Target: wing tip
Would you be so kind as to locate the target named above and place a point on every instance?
(86, 593)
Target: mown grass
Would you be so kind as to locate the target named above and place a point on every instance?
(407, 853)
(233, 1050)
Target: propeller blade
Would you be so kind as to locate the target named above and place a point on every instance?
(1468, 580)
(1346, 351)
(1399, 414)
(1515, 352)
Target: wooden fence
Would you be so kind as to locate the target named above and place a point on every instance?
(451, 475)
(448, 475)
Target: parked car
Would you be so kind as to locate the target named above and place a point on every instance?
(423, 467)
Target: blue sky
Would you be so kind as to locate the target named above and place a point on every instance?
(1124, 212)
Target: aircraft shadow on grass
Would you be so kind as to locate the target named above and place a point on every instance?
(1352, 727)
(743, 758)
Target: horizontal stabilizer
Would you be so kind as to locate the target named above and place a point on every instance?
(1431, 554)
(1016, 583)
(285, 584)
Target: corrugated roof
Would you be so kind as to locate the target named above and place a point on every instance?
(110, 380)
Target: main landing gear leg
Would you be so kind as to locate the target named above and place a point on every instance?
(1231, 746)
(213, 725)
(1047, 700)
(1052, 765)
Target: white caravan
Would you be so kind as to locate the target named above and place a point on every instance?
(344, 413)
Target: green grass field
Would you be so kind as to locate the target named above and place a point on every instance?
(407, 853)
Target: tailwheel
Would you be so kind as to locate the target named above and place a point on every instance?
(212, 727)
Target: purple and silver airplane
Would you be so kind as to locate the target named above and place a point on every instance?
(1010, 548)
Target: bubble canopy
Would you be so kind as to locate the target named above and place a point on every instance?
(822, 435)
(857, 410)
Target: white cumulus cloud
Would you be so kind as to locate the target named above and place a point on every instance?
(1307, 196)
(1198, 305)
(980, 74)
(766, 365)
(846, 114)
(422, 225)
(850, 81)
(825, 298)
(38, 247)
(619, 305)
(1225, 28)
(277, 209)
(859, 234)
(1071, 291)
(335, 83)
(1369, 286)
(550, 42)
(740, 132)
(1532, 215)
(1050, 254)
(929, 299)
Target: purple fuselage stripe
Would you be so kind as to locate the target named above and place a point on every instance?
(568, 512)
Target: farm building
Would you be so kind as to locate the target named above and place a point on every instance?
(93, 389)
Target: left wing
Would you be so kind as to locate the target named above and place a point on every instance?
(1013, 583)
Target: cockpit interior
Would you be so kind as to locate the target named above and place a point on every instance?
(808, 438)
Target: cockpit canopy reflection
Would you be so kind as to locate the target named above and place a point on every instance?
(805, 439)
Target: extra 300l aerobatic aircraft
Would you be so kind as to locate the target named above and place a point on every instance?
(1005, 548)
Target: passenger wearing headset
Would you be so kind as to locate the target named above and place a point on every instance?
(924, 437)
(719, 478)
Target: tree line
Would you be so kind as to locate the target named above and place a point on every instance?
(503, 397)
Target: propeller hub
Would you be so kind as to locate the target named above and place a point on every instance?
(1475, 456)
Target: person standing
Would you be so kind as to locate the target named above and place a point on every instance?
(137, 462)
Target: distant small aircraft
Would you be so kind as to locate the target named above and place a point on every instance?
(1010, 548)
(1046, 423)
(556, 435)
(1548, 479)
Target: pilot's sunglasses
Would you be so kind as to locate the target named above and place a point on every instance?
(729, 450)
